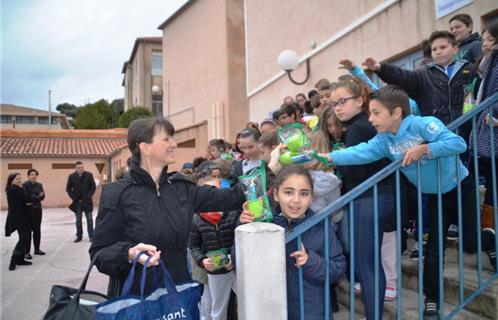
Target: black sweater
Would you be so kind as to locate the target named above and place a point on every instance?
(133, 211)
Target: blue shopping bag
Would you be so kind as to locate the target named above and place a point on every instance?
(166, 302)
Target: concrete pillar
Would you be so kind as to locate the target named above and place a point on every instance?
(261, 281)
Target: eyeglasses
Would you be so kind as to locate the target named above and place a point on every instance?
(341, 101)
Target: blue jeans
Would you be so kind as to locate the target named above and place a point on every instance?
(364, 252)
(89, 221)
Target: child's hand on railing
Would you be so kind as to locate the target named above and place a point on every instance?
(301, 257)
(495, 121)
(246, 216)
(414, 154)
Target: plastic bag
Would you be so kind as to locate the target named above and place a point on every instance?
(293, 136)
(219, 258)
(254, 186)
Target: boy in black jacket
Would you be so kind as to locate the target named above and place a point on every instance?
(438, 88)
(212, 231)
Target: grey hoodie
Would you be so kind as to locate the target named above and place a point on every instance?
(326, 189)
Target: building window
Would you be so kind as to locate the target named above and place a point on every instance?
(25, 120)
(63, 165)
(44, 120)
(20, 166)
(411, 61)
(5, 119)
(157, 63)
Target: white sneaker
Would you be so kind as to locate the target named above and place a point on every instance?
(390, 294)
(357, 288)
(452, 233)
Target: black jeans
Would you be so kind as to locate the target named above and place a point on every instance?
(486, 170)
(36, 214)
(468, 236)
(22, 245)
(79, 218)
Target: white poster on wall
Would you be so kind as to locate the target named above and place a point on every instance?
(444, 7)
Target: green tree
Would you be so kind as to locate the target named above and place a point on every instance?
(68, 109)
(132, 114)
(97, 115)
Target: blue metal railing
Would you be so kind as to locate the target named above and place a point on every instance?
(346, 201)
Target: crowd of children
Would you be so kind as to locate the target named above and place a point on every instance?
(359, 128)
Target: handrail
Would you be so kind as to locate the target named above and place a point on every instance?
(333, 208)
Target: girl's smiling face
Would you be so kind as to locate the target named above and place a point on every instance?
(294, 196)
(250, 148)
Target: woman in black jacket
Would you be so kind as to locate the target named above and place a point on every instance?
(151, 211)
(18, 218)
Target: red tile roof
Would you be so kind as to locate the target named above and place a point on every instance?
(62, 143)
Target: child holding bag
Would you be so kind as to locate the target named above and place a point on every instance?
(294, 192)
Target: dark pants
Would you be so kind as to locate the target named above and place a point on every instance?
(79, 218)
(469, 232)
(364, 252)
(22, 245)
(36, 214)
(487, 173)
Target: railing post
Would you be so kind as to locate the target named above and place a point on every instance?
(261, 280)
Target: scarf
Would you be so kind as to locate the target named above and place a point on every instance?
(212, 217)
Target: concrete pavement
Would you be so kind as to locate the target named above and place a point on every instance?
(25, 291)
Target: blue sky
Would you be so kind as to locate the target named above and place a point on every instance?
(74, 48)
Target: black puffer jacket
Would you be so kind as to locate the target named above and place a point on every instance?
(133, 211)
(435, 93)
(206, 236)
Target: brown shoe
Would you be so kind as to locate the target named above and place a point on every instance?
(487, 216)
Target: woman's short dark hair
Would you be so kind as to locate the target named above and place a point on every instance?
(144, 129)
(33, 170)
(11, 178)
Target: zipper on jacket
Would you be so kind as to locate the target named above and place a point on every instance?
(218, 236)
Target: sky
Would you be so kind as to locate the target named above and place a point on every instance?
(75, 48)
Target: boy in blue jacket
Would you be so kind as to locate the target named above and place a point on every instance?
(412, 138)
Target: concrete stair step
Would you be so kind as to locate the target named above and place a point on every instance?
(484, 304)
(409, 306)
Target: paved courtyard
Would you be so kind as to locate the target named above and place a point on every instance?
(25, 291)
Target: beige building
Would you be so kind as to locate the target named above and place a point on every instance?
(142, 75)
(326, 31)
(204, 78)
(13, 116)
(54, 154)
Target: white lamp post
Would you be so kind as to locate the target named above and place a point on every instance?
(288, 60)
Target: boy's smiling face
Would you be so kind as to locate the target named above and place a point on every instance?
(443, 52)
(382, 120)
